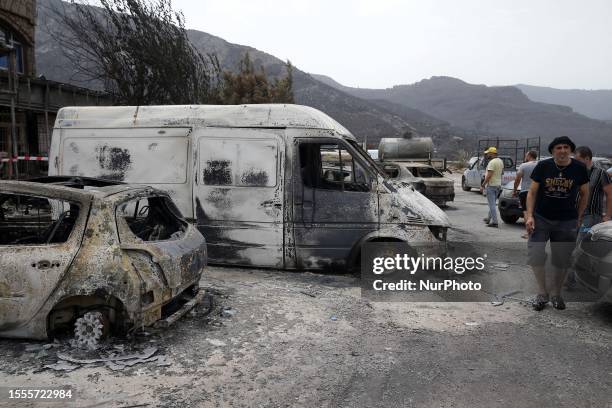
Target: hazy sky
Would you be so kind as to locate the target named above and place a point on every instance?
(380, 43)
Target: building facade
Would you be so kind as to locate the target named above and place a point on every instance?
(28, 104)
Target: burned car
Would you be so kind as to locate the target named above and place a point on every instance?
(393, 171)
(593, 260)
(438, 188)
(91, 256)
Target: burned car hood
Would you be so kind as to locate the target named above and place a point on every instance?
(602, 231)
(414, 205)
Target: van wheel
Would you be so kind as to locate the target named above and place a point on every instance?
(464, 186)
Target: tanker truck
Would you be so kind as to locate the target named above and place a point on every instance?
(410, 159)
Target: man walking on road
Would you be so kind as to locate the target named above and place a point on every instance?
(523, 176)
(599, 186)
(492, 182)
(552, 215)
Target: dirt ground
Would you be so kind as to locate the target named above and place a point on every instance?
(283, 339)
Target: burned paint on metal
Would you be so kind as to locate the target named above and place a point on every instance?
(217, 173)
(254, 178)
(200, 213)
(220, 199)
(114, 159)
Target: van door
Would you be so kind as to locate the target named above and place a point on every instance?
(159, 157)
(335, 202)
(238, 196)
(474, 173)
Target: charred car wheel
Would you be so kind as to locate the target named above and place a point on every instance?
(90, 330)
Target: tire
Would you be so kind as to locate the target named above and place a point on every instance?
(464, 186)
(509, 219)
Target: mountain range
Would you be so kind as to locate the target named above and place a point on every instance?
(452, 111)
(596, 104)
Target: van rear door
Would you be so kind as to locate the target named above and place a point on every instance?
(238, 197)
(159, 157)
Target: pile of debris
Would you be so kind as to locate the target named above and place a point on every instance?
(65, 357)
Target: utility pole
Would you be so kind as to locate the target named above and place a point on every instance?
(13, 87)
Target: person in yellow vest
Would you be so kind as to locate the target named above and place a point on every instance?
(492, 183)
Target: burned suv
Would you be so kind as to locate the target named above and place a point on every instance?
(104, 256)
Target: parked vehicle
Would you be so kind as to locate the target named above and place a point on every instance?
(509, 206)
(593, 261)
(438, 188)
(253, 178)
(474, 175)
(511, 151)
(413, 149)
(602, 162)
(395, 172)
(91, 253)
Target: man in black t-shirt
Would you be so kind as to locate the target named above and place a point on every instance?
(552, 215)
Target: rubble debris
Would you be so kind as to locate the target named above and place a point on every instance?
(501, 265)
(499, 300)
(114, 367)
(162, 361)
(216, 343)
(33, 347)
(62, 366)
(303, 292)
(228, 312)
(146, 353)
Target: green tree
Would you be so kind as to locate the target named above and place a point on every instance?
(249, 85)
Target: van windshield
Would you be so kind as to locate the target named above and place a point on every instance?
(366, 157)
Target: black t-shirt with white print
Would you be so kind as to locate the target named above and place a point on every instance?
(558, 189)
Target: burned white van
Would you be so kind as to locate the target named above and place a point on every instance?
(282, 186)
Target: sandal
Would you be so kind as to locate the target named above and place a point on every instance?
(539, 302)
(558, 303)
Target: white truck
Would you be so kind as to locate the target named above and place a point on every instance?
(474, 175)
(255, 179)
(511, 151)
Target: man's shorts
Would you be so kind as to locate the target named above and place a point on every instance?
(562, 237)
(523, 199)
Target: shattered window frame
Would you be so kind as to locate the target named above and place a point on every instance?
(431, 172)
(46, 231)
(392, 168)
(317, 179)
(124, 228)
